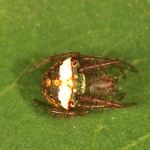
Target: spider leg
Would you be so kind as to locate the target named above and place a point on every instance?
(71, 113)
(121, 97)
(59, 112)
(104, 64)
(107, 60)
(88, 102)
(121, 70)
(93, 106)
(49, 59)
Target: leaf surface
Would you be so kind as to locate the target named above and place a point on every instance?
(33, 30)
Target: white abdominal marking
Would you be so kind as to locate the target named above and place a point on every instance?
(65, 89)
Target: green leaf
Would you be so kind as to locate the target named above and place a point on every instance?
(33, 30)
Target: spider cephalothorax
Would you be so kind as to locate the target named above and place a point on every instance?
(75, 84)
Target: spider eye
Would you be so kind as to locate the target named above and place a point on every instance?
(71, 103)
(74, 62)
(51, 96)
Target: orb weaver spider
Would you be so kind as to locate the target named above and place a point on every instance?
(76, 84)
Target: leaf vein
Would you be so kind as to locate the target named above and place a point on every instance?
(136, 142)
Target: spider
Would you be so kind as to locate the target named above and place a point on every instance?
(76, 84)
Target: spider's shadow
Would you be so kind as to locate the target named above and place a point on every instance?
(28, 83)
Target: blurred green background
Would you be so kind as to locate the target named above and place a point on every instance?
(32, 30)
